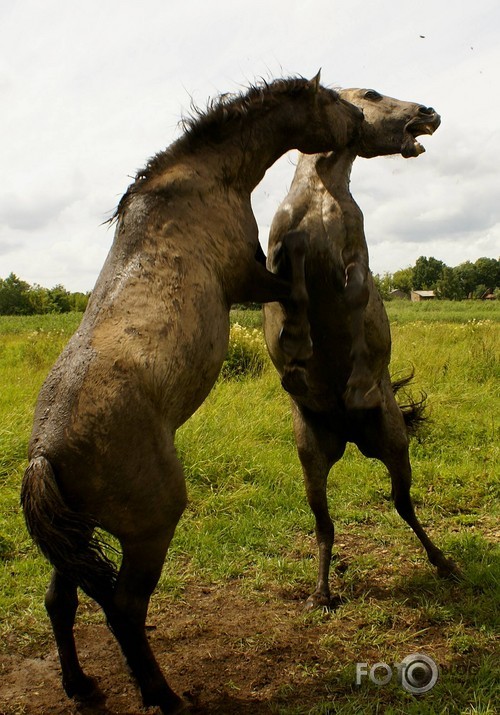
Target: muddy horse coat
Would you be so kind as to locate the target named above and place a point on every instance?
(342, 392)
(148, 351)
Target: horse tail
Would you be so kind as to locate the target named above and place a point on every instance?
(65, 537)
(413, 410)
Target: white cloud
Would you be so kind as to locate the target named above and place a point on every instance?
(91, 90)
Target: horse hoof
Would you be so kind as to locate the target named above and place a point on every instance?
(318, 601)
(448, 569)
(326, 604)
(85, 690)
(169, 702)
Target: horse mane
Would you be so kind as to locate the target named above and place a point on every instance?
(209, 124)
(212, 124)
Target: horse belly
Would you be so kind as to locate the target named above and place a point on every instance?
(183, 375)
(108, 411)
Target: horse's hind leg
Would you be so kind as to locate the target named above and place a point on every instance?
(318, 450)
(400, 473)
(388, 441)
(61, 602)
(139, 574)
(158, 506)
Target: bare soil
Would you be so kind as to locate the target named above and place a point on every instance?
(226, 651)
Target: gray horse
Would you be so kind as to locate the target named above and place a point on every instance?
(147, 353)
(343, 392)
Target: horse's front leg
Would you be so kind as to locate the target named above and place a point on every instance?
(362, 390)
(295, 335)
(286, 285)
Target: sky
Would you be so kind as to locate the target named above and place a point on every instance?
(90, 90)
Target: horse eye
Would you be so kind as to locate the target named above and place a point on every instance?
(372, 94)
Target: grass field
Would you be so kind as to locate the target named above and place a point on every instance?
(248, 526)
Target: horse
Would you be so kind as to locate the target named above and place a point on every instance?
(146, 354)
(343, 392)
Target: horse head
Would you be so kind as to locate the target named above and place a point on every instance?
(332, 121)
(390, 126)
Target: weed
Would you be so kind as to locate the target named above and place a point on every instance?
(246, 355)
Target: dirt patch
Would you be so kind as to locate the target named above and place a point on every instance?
(229, 649)
(226, 652)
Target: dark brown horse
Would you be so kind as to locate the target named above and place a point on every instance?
(343, 392)
(148, 351)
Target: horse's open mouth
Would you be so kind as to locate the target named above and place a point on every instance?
(416, 127)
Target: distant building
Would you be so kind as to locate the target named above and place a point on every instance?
(488, 294)
(417, 295)
(399, 294)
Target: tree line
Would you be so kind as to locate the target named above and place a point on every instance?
(467, 280)
(17, 297)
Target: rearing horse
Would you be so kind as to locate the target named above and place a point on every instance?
(147, 353)
(343, 392)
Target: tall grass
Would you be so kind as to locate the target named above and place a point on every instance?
(65, 323)
(246, 355)
(247, 512)
(448, 311)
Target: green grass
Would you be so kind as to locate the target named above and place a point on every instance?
(65, 323)
(404, 311)
(448, 311)
(247, 512)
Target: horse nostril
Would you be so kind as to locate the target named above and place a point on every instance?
(426, 110)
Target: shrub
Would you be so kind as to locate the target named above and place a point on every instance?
(246, 354)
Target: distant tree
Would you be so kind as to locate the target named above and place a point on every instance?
(427, 272)
(487, 272)
(40, 300)
(448, 286)
(383, 284)
(14, 298)
(19, 298)
(466, 274)
(78, 301)
(403, 280)
(244, 306)
(59, 298)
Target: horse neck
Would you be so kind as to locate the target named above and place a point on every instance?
(264, 139)
(334, 171)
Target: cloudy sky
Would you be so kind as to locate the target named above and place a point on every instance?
(89, 90)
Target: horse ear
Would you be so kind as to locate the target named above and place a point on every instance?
(314, 82)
